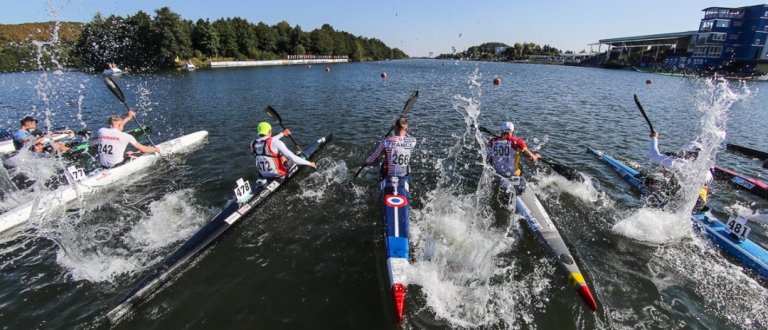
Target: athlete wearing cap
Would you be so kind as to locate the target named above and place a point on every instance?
(397, 150)
(271, 154)
(505, 151)
(678, 163)
(23, 135)
(113, 141)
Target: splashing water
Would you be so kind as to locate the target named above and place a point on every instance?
(713, 101)
(95, 251)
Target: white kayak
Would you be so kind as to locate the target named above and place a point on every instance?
(7, 145)
(61, 196)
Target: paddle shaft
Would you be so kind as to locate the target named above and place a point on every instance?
(294, 141)
(140, 126)
(642, 111)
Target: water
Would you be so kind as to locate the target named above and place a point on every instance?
(312, 256)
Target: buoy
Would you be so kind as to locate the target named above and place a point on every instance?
(309, 66)
(383, 74)
(327, 69)
(443, 63)
(496, 81)
(378, 63)
(649, 81)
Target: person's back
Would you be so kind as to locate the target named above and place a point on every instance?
(397, 151)
(505, 151)
(675, 165)
(271, 154)
(112, 144)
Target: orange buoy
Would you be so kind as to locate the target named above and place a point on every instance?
(649, 81)
(309, 66)
(327, 69)
(383, 74)
(496, 81)
(378, 63)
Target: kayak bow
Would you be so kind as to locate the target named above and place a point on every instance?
(396, 202)
(754, 186)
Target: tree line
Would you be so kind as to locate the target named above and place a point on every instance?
(487, 52)
(142, 42)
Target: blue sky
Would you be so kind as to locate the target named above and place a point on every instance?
(417, 27)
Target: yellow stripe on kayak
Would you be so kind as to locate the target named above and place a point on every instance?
(575, 279)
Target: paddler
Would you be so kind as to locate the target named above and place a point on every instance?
(675, 164)
(397, 150)
(272, 155)
(113, 141)
(505, 151)
(24, 135)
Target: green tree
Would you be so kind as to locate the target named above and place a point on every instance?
(171, 37)
(205, 38)
(227, 38)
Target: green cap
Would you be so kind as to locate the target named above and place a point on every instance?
(263, 128)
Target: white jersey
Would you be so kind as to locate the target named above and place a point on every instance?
(112, 144)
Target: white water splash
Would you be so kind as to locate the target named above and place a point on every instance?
(96, 251)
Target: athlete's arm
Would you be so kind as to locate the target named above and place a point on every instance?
(283, 150)
(658, 157)
(531, 156)
(375, 155)
(144, 148)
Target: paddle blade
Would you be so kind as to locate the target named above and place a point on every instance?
(114, 88)
(409, 104)
(273, 114)
(485, 130)
(567, 172)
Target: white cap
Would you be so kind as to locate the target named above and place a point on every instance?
(692, 147)
(507, 127)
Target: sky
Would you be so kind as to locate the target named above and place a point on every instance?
(418, 27)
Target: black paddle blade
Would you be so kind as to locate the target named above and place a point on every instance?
(409, 104)
(114, 88)
(273, 114)
(485, 130)
(642, 111)
(567, 172)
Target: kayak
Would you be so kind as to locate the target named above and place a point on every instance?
(7, 145)
(207, 236)
(740, 247)
(547, 234)
(69, 140)
(396, 202)
(749, 152)
(93, 181)
(754, 186)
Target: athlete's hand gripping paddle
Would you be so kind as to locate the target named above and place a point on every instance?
(408, 105)
(119, 94)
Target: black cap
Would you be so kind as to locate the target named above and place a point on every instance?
(28, 118)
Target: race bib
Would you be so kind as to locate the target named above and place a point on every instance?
(243, 189)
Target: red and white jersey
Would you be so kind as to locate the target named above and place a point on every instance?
(397, 152)
(112, 144)
(505, 151)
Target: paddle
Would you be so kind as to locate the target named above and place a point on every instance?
(569, 173)
(642, 111)
(272, 113)
(408, 105)
(119, 94)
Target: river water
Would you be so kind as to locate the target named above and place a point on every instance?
(312, 256)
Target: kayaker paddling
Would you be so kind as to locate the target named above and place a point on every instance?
(24, 135)
(113, 141)
(674, 165)
(505, 151)
(397, 150)
(271, 154)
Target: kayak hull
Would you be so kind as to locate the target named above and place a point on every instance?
(64, 194)
(547, 234)
(396, 204)
(205, 237)
(752, 185)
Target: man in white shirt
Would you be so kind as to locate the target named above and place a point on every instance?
(112, 142)
(270, 153)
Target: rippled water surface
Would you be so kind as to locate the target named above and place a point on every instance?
(312, 256)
